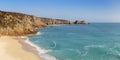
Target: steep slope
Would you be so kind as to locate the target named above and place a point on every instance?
(18, 24)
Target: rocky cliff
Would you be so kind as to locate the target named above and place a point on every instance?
(50, 21)
(17, 24)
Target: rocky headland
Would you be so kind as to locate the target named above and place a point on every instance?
(14, 45)
(19, 24)
(50, 21)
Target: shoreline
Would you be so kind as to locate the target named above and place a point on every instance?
(27, 46)
(12, 49)
(22, 43)
(40, 52)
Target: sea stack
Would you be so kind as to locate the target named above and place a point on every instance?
(80, 22)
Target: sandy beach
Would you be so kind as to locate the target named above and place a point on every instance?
(12, 49)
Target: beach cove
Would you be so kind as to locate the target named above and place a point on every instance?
(15, 29)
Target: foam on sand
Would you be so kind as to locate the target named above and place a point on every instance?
(38, 33)
(41, 52)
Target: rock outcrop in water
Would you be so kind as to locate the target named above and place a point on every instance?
(18, 24)
(80, 22)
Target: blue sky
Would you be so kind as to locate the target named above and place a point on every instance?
(91, 10)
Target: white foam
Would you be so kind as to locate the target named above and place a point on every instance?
(78, 51)
(42, 52)
(38, 33)
(113, 50)
(55, 25)
(84, 54)
(93, 46)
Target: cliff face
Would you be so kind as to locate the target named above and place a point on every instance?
(50, 21)
(18, 24)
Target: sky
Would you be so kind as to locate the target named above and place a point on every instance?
(90, 10)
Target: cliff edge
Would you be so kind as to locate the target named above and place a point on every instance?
(18, 24)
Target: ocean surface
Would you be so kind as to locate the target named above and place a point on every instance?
(95, 41)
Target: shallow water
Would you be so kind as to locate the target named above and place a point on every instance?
(95, 41)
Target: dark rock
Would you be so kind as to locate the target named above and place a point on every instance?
(80, 22)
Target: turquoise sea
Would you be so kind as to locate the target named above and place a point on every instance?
(95, 41)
